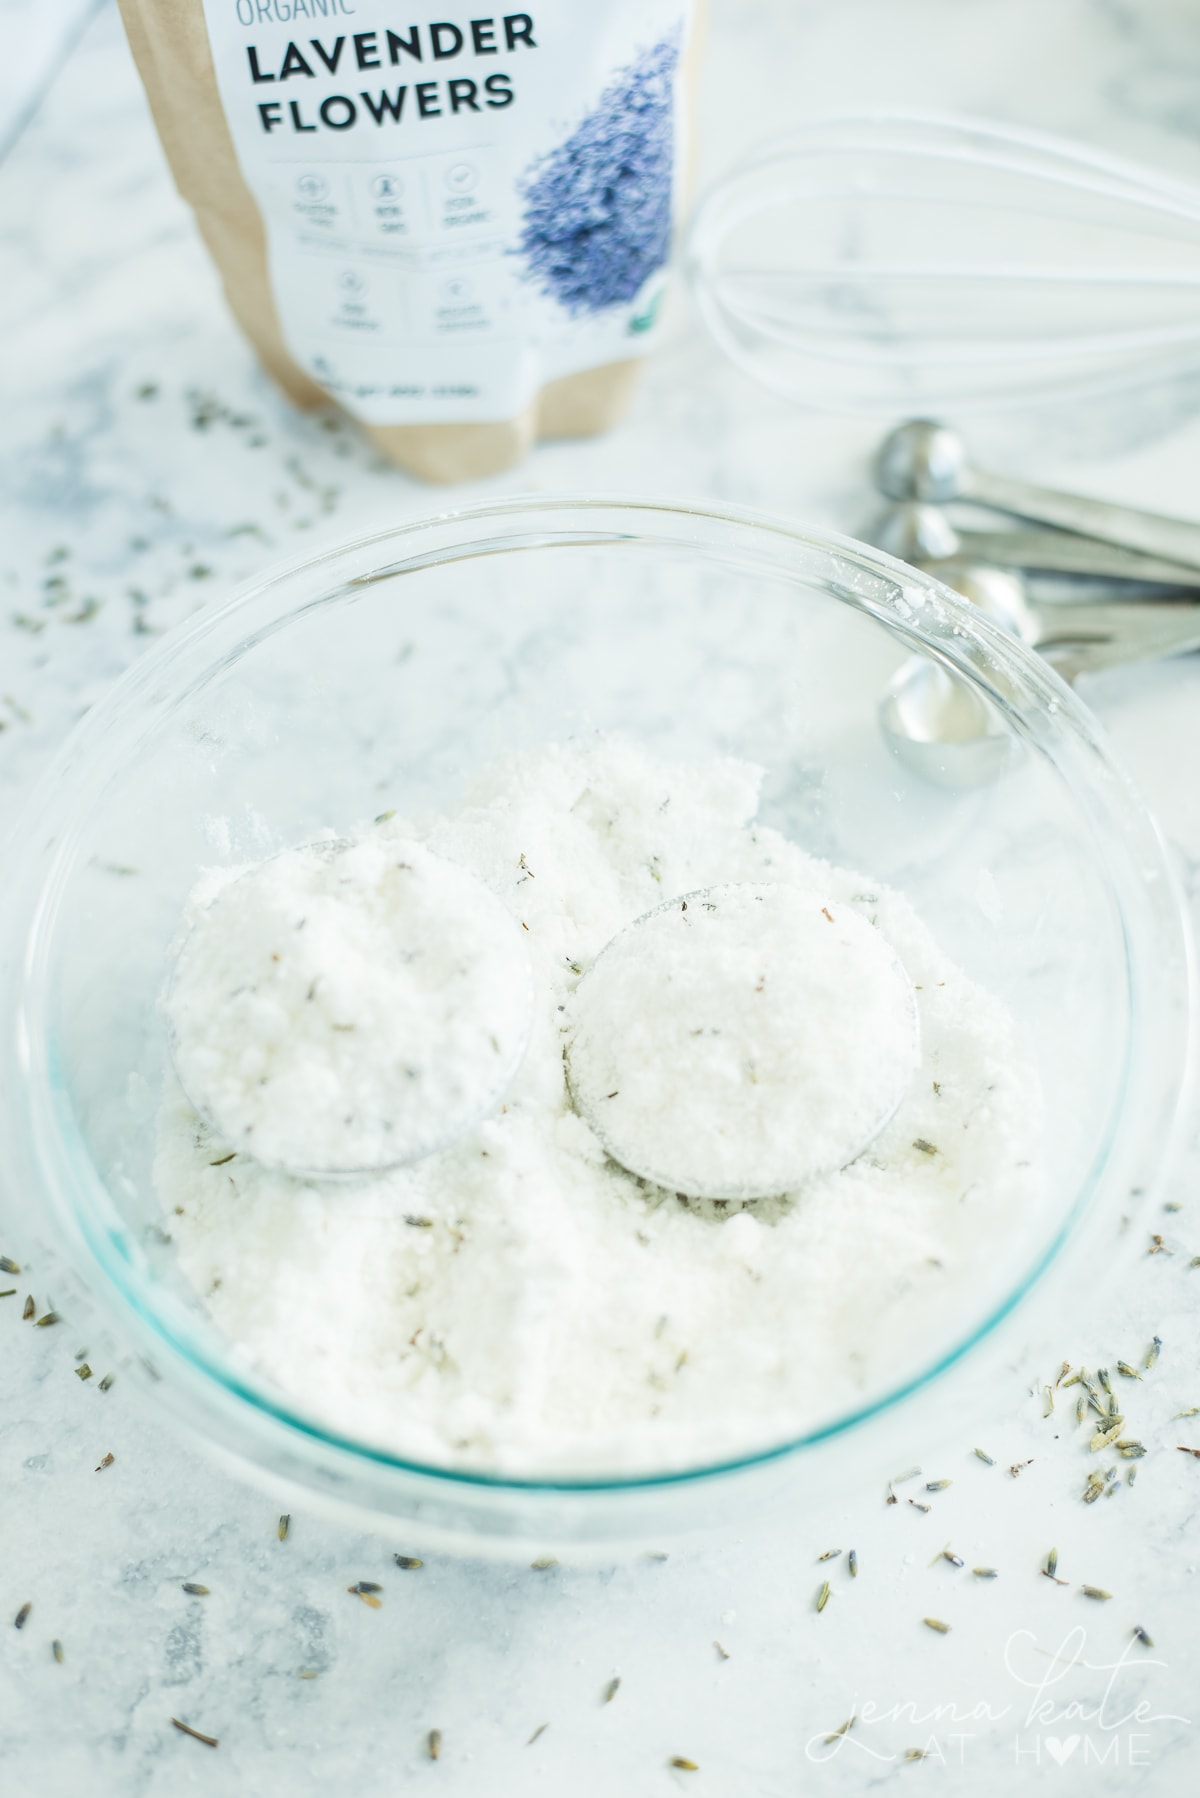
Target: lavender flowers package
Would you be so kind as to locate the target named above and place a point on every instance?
(456, 228)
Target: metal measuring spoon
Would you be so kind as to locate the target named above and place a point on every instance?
(931, 719)
(921, 534)
(922, 460)
(742, 1040)
(939, 726)
(344, 1008)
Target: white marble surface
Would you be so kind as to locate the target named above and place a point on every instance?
(138, 446)
(35, 38)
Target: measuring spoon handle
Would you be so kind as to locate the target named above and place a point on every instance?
(1175, 539)
(1081, 639)
(1062, 552)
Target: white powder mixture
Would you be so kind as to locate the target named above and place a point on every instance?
(519, 1302)
(345, 1007)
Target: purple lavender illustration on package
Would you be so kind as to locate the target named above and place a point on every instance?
(597, 218)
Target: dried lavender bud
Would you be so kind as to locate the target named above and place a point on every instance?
(197, 1735)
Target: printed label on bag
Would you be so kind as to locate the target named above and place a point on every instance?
(461, 209)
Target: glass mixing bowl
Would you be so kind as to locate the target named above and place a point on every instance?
(381, 675)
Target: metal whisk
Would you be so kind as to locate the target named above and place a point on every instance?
(897, 263)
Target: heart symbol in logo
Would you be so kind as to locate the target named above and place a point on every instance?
(1061, 1751)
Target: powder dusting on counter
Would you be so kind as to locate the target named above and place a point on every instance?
(520, 1302)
